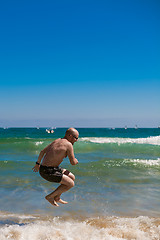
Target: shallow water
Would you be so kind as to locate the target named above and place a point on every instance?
(117, 184)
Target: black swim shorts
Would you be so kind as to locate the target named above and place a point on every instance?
(52, 174)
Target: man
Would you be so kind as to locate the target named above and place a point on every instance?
(52, 156)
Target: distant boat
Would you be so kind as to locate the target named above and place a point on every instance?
(49, 130)
(136, 127)
(125, 127)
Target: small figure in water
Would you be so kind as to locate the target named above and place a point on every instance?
(52, 156)
(49, 131)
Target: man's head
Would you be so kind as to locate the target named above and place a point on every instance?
(72, 135)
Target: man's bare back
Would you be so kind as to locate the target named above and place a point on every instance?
(56, 152)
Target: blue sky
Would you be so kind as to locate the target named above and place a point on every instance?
(80, 63)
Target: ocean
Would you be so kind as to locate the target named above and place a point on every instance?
(116, 194)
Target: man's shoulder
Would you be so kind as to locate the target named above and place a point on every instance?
(63, 141)
(67, 143)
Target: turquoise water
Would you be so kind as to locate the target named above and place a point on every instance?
(118, 175)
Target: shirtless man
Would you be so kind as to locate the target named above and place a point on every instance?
(52, 156)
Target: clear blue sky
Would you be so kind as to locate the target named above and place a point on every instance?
(80, 63)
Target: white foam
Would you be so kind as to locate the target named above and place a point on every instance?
(39, 143)
(149, 162)
(13, 215)
(110, 228)
(149, 140)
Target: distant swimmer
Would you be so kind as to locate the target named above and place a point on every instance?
(53, 156)
(49, 131)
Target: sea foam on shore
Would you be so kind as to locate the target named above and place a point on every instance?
(21, 227)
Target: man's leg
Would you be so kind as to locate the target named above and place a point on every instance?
(66, 184)
(58, 197)
(69, 174)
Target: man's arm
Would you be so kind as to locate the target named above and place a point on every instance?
(42, 153)
(71, 156)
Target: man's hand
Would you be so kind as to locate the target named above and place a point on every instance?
(36, 168)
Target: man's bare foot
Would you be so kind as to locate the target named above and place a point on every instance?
(52, 201)
(60, 200)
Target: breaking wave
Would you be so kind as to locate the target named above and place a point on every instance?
(149, 140)
(66, 228)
